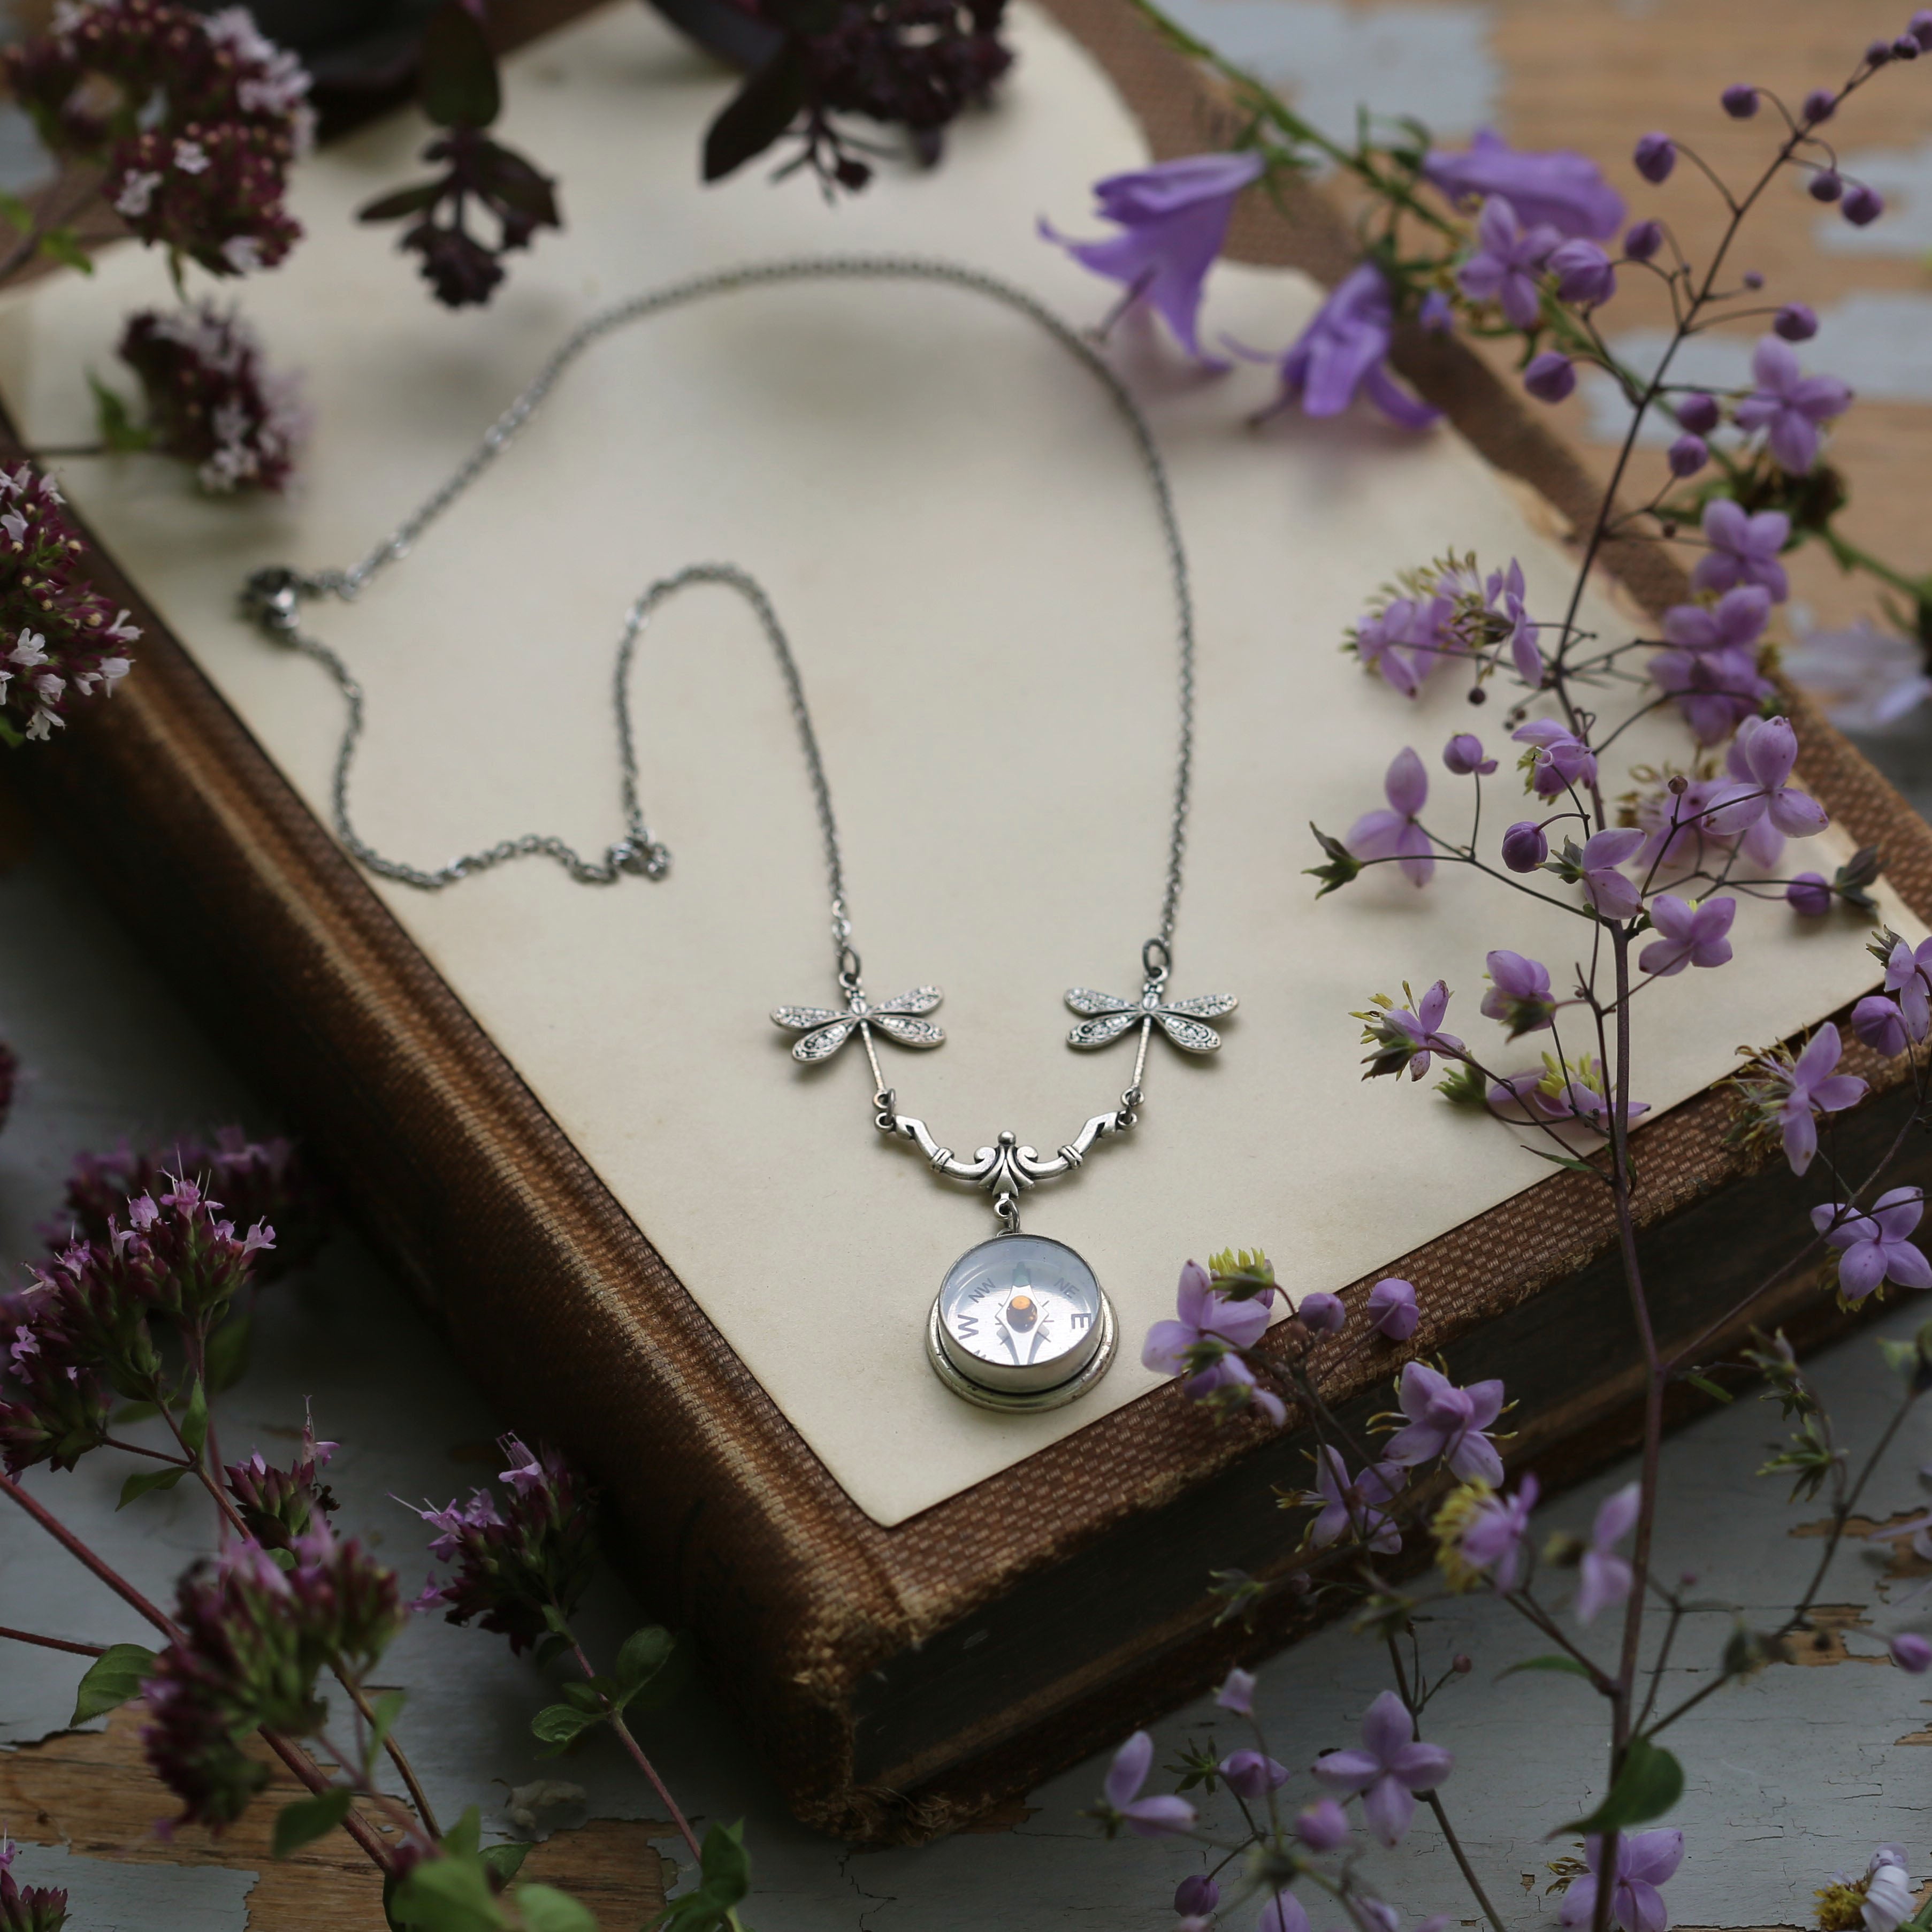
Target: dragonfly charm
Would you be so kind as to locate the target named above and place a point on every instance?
(827, 1029)
(1182, 1021)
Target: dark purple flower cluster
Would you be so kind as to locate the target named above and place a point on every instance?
(28, 1908)
(210, 399)
(515, 1566)
(194, 119)
(59, 638)
(54, 1400)
(267, 1181)
(254, 1637)
(280, 1506)
(916, 64)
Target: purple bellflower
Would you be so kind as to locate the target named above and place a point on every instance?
(1394, 833)
(1352, 1508)
(1743, 549)
(1646, 1860)
(1563, 190)
(1873, 1248)
(1519, 994)
(1767, 748)
(1692, 933)
(1389, 1769)
(1173, 218)
(1506, 268)
(1344, 349)
(1788, 406)
(1392, 1308)
(1446, 1421)
(1156, 1817)
(1557, 757)
(1603, 1577)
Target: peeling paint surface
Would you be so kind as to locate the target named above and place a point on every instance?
(103, 1896)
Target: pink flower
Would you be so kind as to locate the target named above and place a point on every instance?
(1392, 1766)
(1395, 833)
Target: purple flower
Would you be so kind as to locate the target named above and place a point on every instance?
(1507, 267)
(1645, 1861)
(1237, 1693)
(1788, 406)
(1283, 1913)
(1740, 102)
(1559, 759)
(1494, 1540)
(1820, 104)
(1688, 454)
(1463, 755)
(1145, 1817)
(1394, 833)
(1694, 933)
(1405, 1037)
(1716, 691)
(1252, 1774)
(1196, 1896)
(28, 1908)
(1656, 155)
(1519, 994)
(1873, 1248)
(1562, 191)
(1173, 219)
(1767, 748)
(1583, 272)
(1737, 621)
(1344, 349)
(1862, 205)
(1353, 1509)
(1437, 313)
(1388, 1771)
(1608, 891)
(1525, 846)
(1323, 1826)
(1782, 1094)
(1407, 639)
(1743, 549)
(1908, 973)
(1392, 1308)
(1920, 27)
(1868, 676)
(1550, 377)
(1912, 1653)
(1644, 240)
(1446, 1421)
(1796, 322)
(1208, 1323)
(1698, 413)
(1878, 1022)
(1826, 184)
(1323, 1314)
(1603, 1577)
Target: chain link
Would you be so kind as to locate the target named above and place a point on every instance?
(273, 597)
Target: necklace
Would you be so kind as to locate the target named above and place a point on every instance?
(1020, 1321)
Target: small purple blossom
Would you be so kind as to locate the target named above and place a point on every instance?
(1344, 350)
(1196, 1896)
(1407, 639)
(1656, 155)
(1698, 413)
(1788, 406)
(1558, 758)
(1237, 1692)
(1908, 973)
(1392, 1308)
(1322, 1314)
(1743, 549)
(1687, 455)
(1156, 1817)
(1862, 205)
(1550, 377)
(1715, 690)
(1740, 102)
(1692, 933)
(1767, 748)
(1643, 240)
(1252, 1774)
(1912, 1653)
(1873, 1248)
(1645, 1861)
(1609, 893)
(1353, 1508)
(1796, 322)
(1404, 1037)
(1207, 1323)
(1736, 621)
(1783, 1094)
(1498, 1531)
(1445, 1420)
(1437, 313)
(1563, 190)
(1283, 1913)
(1583, 272)
(1879, 1023)
(1391, 1767)
(1173, 219)
(1507, 267)
(1525, 846)
(1463, 755)
(1603, 1577)
(1322, 1826)
(1520, 993)
(1395, 833)
(1868, 676)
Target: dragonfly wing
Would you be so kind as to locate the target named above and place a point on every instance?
(1205, 1006)
(1085, 1000)
(1190, 1035)
(1097, 1032)
(920, 1000)
(804, 1019)
(907, 1031)
(823, 1043)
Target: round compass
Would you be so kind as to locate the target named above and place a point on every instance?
(1020, 1322)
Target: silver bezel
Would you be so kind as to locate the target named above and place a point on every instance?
(1023, 1401)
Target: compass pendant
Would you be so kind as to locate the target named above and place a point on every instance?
(1020, 1322)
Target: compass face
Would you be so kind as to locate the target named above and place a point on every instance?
(1020, 1313)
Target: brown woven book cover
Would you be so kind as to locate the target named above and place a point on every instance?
(897, 1681)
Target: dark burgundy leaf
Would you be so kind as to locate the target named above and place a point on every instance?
(757, 114)
(403, 201)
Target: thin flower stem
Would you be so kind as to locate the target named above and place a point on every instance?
(54, 1642)
(404, 1770)
(638, 1758)
(58, 209)
(135, 1449)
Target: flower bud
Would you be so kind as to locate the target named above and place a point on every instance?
(1878, 53)
(1249, 1774)
(1740, 102)
(1906, 48)
(1550, 377)
(1920, 27)
(1820, 104)
(1323, 1826)
(1583, 272)
(1827, 184)
(1796, 322)
(1688, 454)
(1753, 279)
(1810, 894)
(1656, 155)
(1698, 413)
(1911, 1652)
(1463, 755)
(1524, 846)
(1863, 205)
(1461, 1663)
(1643, 240)
(1322, 1313)
(1392, 1308)
(1879, 1023)
(1196, 1895)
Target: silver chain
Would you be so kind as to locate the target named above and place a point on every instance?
(273, 598)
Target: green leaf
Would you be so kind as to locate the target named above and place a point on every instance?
(143, 1481)
(412, 200)
(544, 1909)
(307, 1819)
(555, 1620)
(15, 212)
(120, 432)
(451, 1894)
(652, 1686)
(644, 1654)
(386, 1709)
(458, 88)
(549, 1648)
(559, 1724)
(466, 1834)
(726, 1878)
(505, 1861)
(65, 248)
(1650, 1783)
(590, 1697)
(1715, 1390)
(194, 1418)
(1567, 1161)
(113, 1678)
(228, 1350)
(757, 114)
(1569, 1665)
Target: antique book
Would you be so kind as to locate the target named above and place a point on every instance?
(563, 1113)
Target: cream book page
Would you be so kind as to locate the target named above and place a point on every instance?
(954, 528)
